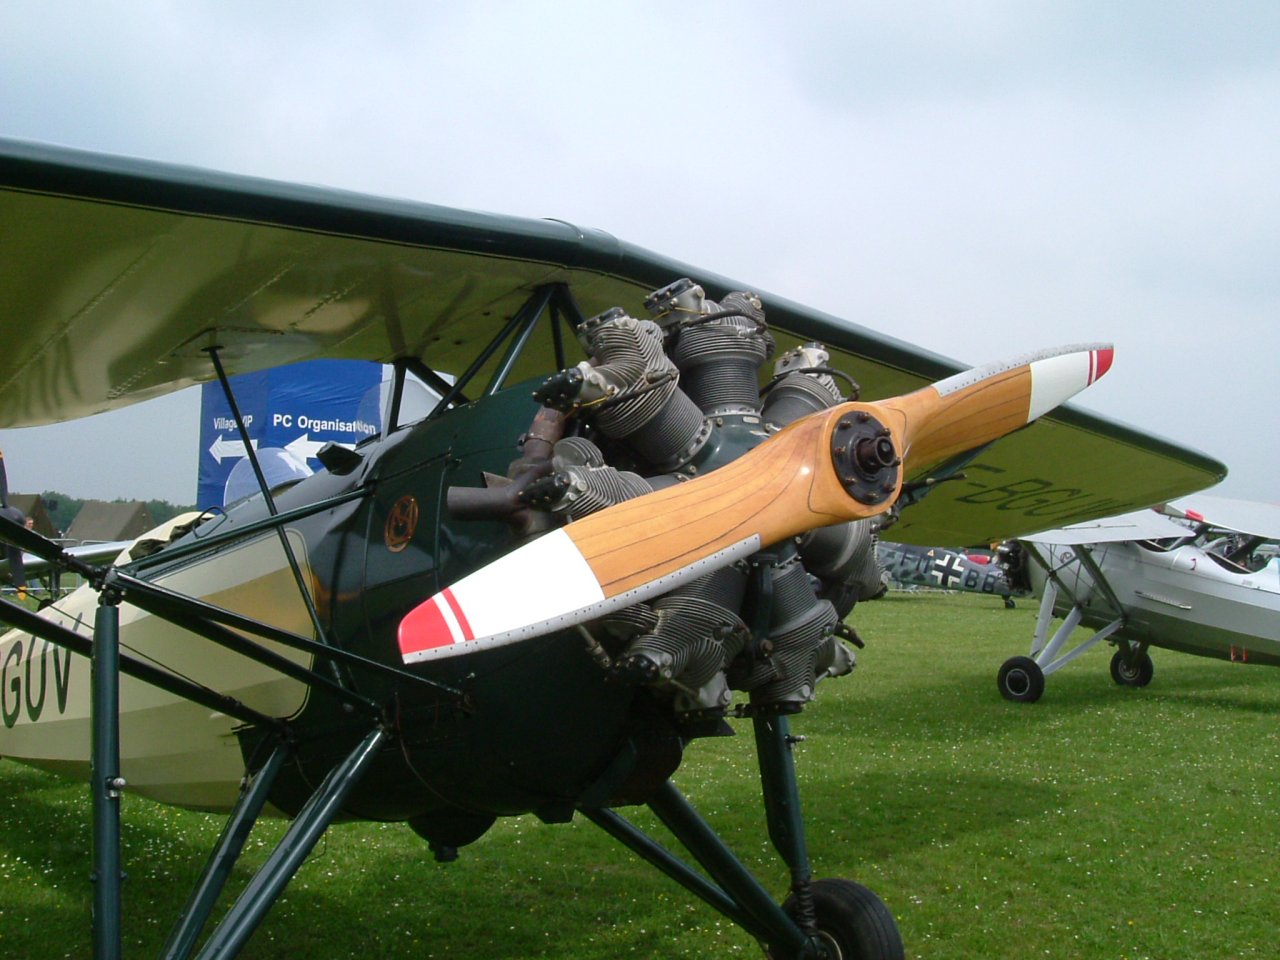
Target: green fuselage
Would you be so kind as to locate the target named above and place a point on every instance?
(540, 724)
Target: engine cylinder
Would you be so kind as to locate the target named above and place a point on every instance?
(843, 558)
(800, 634)
(588, 489)
(799, 387)
(641, 401)
(697, 632)
(679, 395)
(719, 356)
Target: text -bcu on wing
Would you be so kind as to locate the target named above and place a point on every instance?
(118, 273)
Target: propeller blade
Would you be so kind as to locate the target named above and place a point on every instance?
(973, 408)
(845, 463)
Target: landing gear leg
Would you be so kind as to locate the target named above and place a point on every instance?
(852, 923)
(820, 920)
(105, 776)
(842, 919)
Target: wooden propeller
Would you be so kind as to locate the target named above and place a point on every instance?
(840, 464)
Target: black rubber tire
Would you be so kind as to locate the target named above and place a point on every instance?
(1021, 680)
(1138, 675)
(853, 921)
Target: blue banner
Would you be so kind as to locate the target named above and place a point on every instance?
(290, 413)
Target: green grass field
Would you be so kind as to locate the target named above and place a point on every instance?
(1099, 823)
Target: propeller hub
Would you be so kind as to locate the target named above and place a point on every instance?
(864, 458)
(873, 454)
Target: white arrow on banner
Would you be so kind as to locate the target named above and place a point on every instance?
(228, 448)
(303, 448)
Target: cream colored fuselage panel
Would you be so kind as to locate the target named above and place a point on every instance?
(170, 749)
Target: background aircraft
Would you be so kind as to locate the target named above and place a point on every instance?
(943, 568)
(12, 568)
(1206, 584)
(255, 659)
(18, 568)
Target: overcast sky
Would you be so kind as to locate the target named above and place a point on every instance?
(982, 179)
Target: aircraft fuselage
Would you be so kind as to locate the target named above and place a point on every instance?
(1183, 599)
(536, 726)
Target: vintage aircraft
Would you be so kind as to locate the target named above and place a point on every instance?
(529, 600)
(1207, 585)
(943, 568)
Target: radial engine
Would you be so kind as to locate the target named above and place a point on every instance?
(661, 400)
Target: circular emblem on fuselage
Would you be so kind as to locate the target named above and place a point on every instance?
(401, 523)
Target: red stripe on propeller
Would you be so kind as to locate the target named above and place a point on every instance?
(1101, 363)
(424, 628)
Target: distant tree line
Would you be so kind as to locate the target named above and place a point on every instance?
(63, 509)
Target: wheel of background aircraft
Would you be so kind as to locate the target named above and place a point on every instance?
(853, 923)
(1021, 679)
(1125, 675)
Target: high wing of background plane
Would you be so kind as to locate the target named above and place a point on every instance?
(120, 272)
(1147, 524)
(89, 553)
(1250, 517)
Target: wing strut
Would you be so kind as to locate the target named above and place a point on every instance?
(270, 501)
(249, 805)
(553, 299)
(291, 852)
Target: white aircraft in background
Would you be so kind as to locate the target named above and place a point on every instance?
(1200, 575)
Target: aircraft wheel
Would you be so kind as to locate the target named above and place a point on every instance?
(1125, 675)
(853, 923)
(1021, 679)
